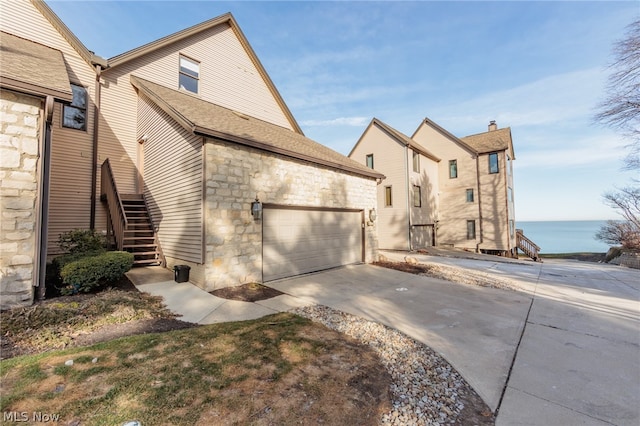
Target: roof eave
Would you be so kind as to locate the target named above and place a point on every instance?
(206, 132)
(446, 133)
(167, 40)
(33, 89)
(88, 56)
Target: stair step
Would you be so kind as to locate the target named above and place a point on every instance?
(144, 253)
(139, 245)
(146, 261)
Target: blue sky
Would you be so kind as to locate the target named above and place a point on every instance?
(537, 67)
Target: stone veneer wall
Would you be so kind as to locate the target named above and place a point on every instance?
(236, 174)
(19, 148)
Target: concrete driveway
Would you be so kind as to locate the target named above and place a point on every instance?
(563, 350)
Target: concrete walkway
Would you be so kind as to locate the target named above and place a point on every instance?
(195, 305)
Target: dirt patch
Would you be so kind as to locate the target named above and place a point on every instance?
(251, 292)
(450, 273)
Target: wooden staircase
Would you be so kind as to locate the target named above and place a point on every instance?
(129, 222)
(139, 237)
(527, 246)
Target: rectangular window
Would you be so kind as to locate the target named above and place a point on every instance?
(469, 195)
(416, 162)
(510, 195)
(74, 116)
(388, 201)
(493, 162)
(512, 228)
(370, 161)
(453, 169)
(189, 74)
(417, 196)
(471, 230)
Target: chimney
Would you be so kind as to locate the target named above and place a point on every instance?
(493, 126)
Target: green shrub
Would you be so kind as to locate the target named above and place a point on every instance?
(82, 241)
(89, 273)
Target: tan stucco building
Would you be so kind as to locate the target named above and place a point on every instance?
(440, 189)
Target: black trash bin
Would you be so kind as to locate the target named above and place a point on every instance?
(181, 273)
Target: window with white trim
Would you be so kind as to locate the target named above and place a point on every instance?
(189, 75)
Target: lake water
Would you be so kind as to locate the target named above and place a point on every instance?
(570, 236)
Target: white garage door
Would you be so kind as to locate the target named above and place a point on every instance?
(297, 241)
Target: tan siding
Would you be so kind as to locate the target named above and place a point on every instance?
(494, 205)
(389, 159)
(227, 78)
(427, 180)
(71, 156)
(173, 182)
(454, 211)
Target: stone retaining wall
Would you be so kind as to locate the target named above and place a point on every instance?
(19, 148)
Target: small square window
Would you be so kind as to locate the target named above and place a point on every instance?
(469, 195)
(471, 230)
(74, 116)
(453, 169)
(417, 196)
(493, 162)
(189, 74)
(388, 201)
(416, 162)
(370, 161)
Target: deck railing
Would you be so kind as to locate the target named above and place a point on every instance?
(109, 191)
(527, 246)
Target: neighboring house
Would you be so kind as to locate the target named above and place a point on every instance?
(182, 151)
(408, 197)
(459, 189)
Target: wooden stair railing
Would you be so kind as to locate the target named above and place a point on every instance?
(117, 219)
(527, 246)
(130, 222)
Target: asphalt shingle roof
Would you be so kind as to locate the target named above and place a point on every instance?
(33, 67)
(208, 119)
(495, 140)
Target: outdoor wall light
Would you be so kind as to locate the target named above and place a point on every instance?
(373, 215)
(256, 209)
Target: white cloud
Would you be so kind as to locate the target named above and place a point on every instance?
(553, 100)
(340, 121)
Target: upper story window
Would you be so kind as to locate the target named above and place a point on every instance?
(470, 195)
(453, 169)
(416, 162)
(74, 115)
(417, 196)
(370, 161)
(493, 162)
(388, 201)
(189, 74)
(509, 165)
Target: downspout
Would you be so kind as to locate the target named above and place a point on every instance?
(94, 168)
(479, 203)
(408, 189)
(43, 213)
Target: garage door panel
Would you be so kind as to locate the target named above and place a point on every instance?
(301, 241)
